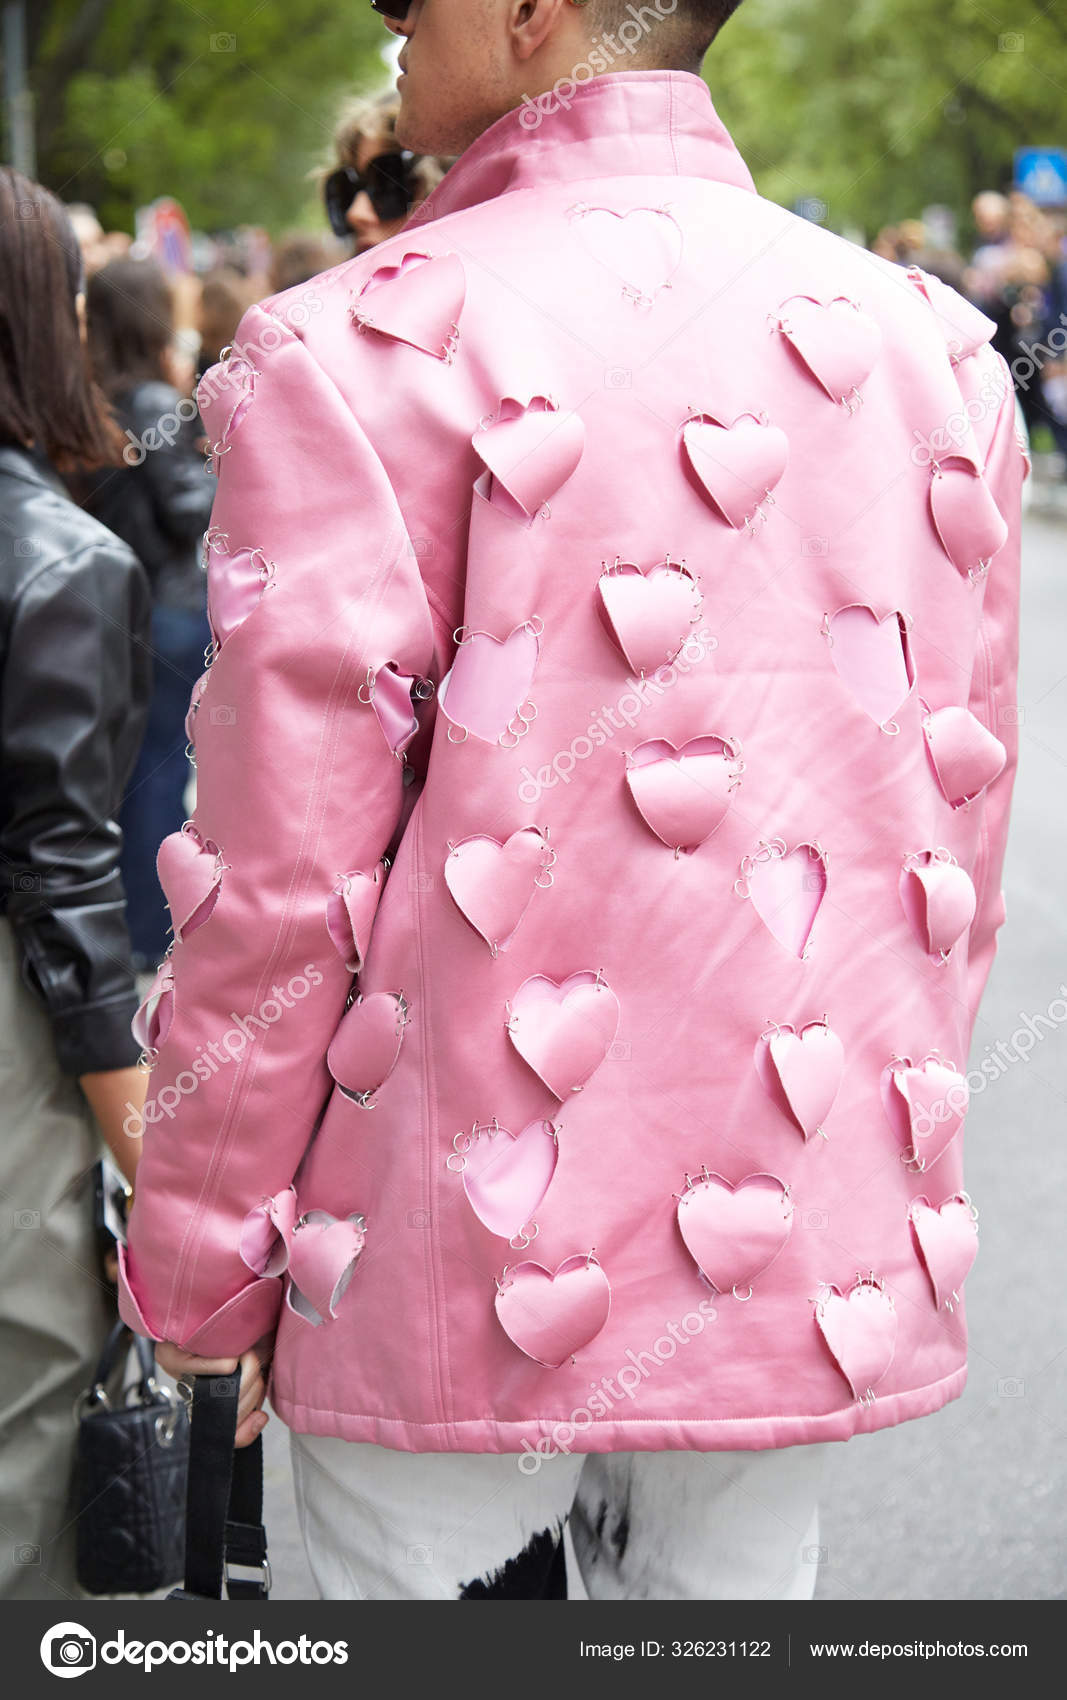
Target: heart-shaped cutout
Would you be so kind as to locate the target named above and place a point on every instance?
(938, 900)
(935, 1097)
(564, 1031)
(947, 1238)
(389, 691)
(861, 1332)
(966, 757)
(963, 327)
(684, 794)
(488, 683)
(641, 247)
(531, 451)
(738, 465)
(417, 300)
(506, 1175)
(873, 658)
(549, 1315)
(266, 1233)
(734, 1233)
(190, 872)
(235, 584)
(787, 888)
(650, 614)
(363, 1052)
(195, 698)
(492, 884)
(152, 1022)
(350, 911)
(971, 527)
(803, 1071)
(837, 342)
(224, 396)
(323, 1253)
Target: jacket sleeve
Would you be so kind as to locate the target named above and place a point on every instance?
(181, 495)
(296, 783)
(993, 686)
(74, 698)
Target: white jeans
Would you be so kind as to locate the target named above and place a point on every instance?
(385, 1525)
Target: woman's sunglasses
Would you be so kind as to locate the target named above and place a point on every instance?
(389, 181)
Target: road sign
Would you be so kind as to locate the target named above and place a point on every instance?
(1041, 173)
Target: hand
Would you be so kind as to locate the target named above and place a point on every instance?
(253, 1365)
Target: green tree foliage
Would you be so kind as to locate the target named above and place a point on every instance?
(880, 107)
(227, 105)
(876, 107)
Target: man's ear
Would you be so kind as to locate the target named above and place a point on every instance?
(532, 22)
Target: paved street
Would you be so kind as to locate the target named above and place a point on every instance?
(966, 1504)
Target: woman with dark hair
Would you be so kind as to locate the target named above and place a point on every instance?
(74, 679)
(159, 503)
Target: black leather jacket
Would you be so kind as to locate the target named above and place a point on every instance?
(75, 674)
(160, 506)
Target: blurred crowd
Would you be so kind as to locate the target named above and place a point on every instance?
(1015, 270)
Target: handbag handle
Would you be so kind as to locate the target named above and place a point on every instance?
(224, 1500)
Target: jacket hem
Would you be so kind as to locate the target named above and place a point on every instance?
(549, 1435)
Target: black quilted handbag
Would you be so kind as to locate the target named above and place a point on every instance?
(132, 1462)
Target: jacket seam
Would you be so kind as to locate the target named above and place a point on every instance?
(438, 1329)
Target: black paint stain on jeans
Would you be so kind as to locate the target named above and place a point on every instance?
(538, 1572)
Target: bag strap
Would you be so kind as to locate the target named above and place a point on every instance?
(224, 1499)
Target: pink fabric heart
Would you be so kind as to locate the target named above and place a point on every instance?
(872, 656)
(641, 247)
(531, 451)
(224, 395)
(564, 1030)
(939, 902)
(649, 614)
(151, 1023)
(682, 794)
(734, 1233)
(391, 701)
(737, 464)
(966, 756)
(963, 327)
(971, 527)
(323, 1253)
(787, 893)
(350, 911)
(364, 1050)
(809, 1066)
(266, 1233)
(488, 681)
(506, 1175)
(235, 584)
(861, 1332)
(936, 1097)
(190, 873)
(837, 342)
(948, 1241)
(550, 1315)
(418, 302)
(492, 884)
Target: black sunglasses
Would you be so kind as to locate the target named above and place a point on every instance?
(389, 181)
(395, 9)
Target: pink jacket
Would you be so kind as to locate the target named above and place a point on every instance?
(614, 587)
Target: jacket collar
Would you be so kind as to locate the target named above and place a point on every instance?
(619, 124)
(29, 465)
